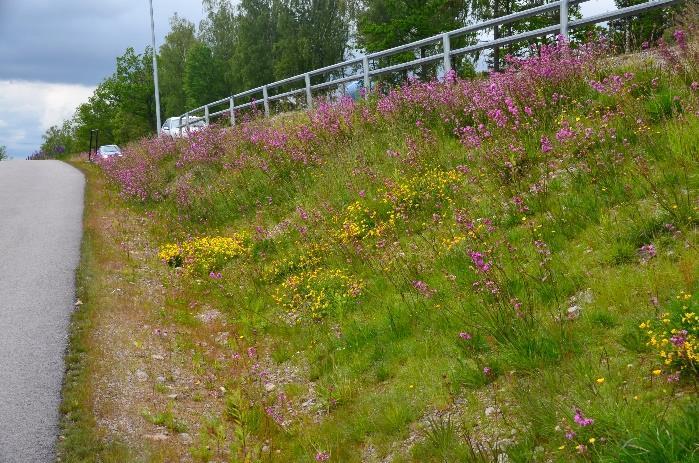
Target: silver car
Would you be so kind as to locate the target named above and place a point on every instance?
(108, 151)
(177, 127)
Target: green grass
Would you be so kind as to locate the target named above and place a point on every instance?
(379, 369)
(166, 419)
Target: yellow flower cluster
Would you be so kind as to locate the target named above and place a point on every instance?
(314, 293)
(435, 185)
(450, 243)
(171, 254)
(361, 221)
(206, 253)
(673, 336)
(311, 258)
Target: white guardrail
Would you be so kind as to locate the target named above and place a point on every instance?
(445, 56)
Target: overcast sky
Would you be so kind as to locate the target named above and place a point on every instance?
(54, 52)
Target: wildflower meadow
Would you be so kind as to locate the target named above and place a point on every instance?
(502, 268)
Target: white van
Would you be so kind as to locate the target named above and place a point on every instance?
(177, 127)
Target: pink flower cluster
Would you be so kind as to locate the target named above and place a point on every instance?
(473, 109)
(581, 420)
(479, 262)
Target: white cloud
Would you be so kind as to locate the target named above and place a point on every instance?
(29, 108)
(593, 7)
(48, 103)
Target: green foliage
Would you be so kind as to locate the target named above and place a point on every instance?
(122, 107)
(219, 31)
(387, 23)
(309, 35)
(200, 79)
(134, 96)
(58, 140)
(171, 65)
(252, 63)
(166, 419)
(384, 24)
(671, 439)
(630, 33)
(498, 8)
(3, 152)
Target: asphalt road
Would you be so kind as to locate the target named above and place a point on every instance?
(41, 206)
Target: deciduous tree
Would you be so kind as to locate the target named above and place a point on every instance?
(171, 65)
(384, 24)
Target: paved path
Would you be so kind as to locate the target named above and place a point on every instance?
(41, 206)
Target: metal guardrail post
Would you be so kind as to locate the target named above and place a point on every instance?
(446, 42)
(206, 114)
(232, 105)
(186, 123)
(367, 81)
(564, 18)
(309, 94)
(265, 100)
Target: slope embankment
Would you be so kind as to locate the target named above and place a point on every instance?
(502, 268)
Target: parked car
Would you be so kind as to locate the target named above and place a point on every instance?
(108, 151)
(176, 127)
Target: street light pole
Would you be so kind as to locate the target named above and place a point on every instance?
(155, 71)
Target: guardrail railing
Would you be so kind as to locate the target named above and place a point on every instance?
(446, 55)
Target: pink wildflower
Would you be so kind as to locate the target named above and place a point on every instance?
(679, 339)
(647, 252)
(581, 420)
(546, 145)
(275, 415)
(565, 133)
(302, 213)
(422, 288)
(478, 260)
(681, 38)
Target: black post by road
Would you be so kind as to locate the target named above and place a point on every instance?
(96, 132)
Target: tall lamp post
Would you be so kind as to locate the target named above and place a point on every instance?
(155, 71)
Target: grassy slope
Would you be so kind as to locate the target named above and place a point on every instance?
(385, 372)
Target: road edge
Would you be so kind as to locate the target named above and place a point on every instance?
(78, 438)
